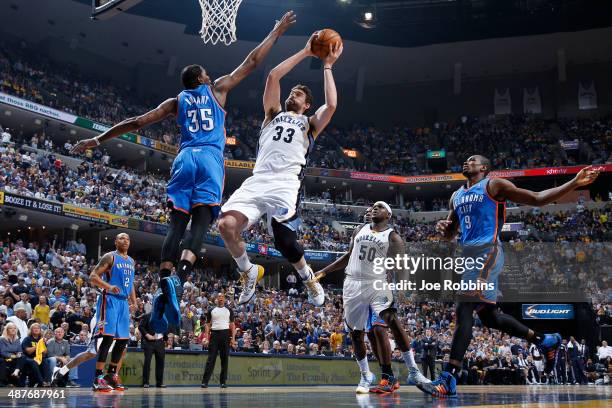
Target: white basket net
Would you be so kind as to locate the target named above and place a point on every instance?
(219, 20)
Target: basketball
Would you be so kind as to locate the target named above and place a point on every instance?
(320, 44)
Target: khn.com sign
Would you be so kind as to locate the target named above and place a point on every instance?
(550, 311)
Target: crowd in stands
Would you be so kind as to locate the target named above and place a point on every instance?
(94, 184)
(511, 142)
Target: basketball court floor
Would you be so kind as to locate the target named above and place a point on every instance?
(320, 397)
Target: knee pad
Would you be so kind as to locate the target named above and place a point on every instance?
(285, 240)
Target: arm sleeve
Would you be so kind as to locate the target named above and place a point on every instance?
(231, 316)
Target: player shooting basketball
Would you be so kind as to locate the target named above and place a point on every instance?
(287, 136)
(196, 183)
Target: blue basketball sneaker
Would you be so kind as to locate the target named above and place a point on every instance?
(172, 289)
(158, 319)
(444, 387)
(550, 347)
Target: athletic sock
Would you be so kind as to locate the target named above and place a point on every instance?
(164, 273)
(184, 269)
(386, 369)
(244, 263)
(99, 372)
(112, 369)
(409, 359)
(64, 370)
(363, 365)
(304, 273)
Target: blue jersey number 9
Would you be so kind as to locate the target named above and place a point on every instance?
(205, 122)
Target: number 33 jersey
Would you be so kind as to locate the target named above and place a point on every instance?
(284, 145)
(368, 246)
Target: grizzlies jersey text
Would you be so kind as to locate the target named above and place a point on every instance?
(284, 145)
(121, 274)
(368, 246)
(481, 218)
(201, 119)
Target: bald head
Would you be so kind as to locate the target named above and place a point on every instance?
(476, 164)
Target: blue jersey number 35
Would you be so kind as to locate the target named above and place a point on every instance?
(204, 122)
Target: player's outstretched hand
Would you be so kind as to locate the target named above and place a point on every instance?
(586, 176)
(285, 22)
(83, 145)
(319, 275)
(308, 47)
(114, 289)
(442, 227)
(334, 53)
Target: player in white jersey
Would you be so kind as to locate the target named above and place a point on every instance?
(287, 136)
(363, 291)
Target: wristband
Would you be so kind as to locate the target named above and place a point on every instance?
(97, 141)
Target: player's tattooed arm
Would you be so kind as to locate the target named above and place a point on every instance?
(340, 263)
(323, 115)
(449, 227)
(103, 266)
(165, 109)
(225, 83)
(502, 190)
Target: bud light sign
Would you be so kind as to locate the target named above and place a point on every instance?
(531, 311)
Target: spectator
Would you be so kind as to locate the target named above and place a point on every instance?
(336, 339)
(36, 357)
(19, 320)
(604, 352)
(58, 353)
(6, 136)
(24, 303)
(12, 362)
(42, 311)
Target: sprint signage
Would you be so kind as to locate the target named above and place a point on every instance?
(550, 311)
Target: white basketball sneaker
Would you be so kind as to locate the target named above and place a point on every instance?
(367, 378)
(249, 281)
(316, 294)
(415, 377)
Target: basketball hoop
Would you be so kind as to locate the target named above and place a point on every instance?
(219, 20)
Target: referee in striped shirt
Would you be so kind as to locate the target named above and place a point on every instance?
(220, 331)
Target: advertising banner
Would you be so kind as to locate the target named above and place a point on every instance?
(543, 311)
(87, 214)
(37, 108)
(31, 203)
(239, 164)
